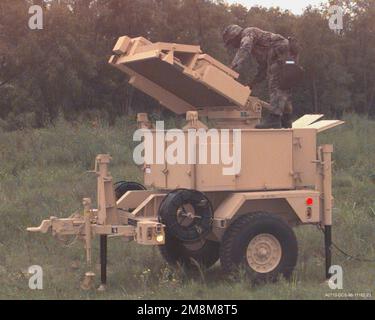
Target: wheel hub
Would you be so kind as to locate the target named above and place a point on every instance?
(186, 215)
(263, 253)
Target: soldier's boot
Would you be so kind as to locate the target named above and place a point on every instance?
(272, 121)
(286, 120)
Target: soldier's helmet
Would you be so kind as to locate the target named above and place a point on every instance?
(230, 33)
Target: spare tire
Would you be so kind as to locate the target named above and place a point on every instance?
(187, 214)
(121, 187)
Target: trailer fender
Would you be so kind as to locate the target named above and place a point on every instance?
(295, 206)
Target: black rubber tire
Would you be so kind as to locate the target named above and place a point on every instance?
(238, 236)
(199, 227)
(121, 187)
(176, 253)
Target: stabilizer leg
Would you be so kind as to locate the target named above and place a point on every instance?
(103, 262)
(328, 247)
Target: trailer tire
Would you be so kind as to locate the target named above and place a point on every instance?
(121, 187)
(176, 252)
(261, 243)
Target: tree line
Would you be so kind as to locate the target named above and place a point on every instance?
(63, 70)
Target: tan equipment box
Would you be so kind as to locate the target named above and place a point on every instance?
(270, 160)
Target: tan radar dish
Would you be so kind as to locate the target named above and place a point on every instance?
(184, 79)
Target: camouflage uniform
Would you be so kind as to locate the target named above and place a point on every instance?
(269, 50)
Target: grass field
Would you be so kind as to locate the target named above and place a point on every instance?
(42, 173)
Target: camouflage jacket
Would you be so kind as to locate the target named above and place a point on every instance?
(258, 44)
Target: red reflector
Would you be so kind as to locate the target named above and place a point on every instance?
(309, 201)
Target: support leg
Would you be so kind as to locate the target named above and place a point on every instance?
(328, 246)
(103, 261)
(88, 282)
(327, 203)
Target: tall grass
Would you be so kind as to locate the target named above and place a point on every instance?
(43, 173)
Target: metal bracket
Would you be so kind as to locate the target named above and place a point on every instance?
(297, 142)
(296, 176)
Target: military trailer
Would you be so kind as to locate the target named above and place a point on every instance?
(194, 212)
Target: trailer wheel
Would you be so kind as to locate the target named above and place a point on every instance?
(261, 243)
(121, 187)
(204, 252)
(187, 214)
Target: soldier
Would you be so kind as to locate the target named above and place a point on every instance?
(274, 55)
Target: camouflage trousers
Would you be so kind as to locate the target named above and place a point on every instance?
(280, 100)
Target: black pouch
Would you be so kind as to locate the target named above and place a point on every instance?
(291, 74)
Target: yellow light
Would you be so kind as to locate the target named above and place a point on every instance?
(160, 238)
